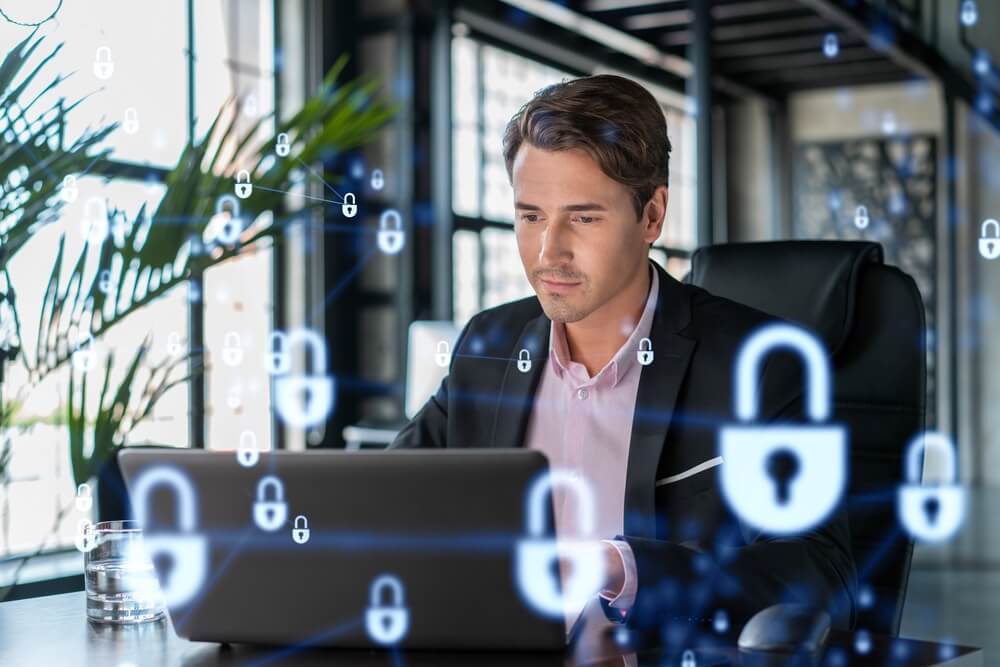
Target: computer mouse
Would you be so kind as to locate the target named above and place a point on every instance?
(787, 629)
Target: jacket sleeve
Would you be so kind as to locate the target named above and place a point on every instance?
(746, 570)
(429, 427)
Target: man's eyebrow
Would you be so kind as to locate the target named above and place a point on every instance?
(586, 206)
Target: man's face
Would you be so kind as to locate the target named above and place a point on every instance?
(577, 232)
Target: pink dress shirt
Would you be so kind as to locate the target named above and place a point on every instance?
(583, 424)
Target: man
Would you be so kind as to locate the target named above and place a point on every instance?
(588, 162)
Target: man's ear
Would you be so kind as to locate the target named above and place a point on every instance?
(654, 213)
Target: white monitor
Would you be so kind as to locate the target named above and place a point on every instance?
(427, 340)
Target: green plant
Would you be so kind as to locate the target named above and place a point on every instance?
(148, 253)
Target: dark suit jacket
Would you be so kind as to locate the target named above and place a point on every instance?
(692, 555)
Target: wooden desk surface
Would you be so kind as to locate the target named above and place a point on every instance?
(53, 631)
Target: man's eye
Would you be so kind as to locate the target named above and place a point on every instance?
(529, 217)
(584, 219)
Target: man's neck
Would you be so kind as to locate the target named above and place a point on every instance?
(594, 340)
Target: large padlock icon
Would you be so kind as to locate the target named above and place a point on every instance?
(182, 572)
(174, 348)
(69, 191)
(232, 349)
(94, 224)
(270, 514)
(300, 531)
(243, 186)
(688, 659)
(350, 206)
(131, 122)
(989, 246)
(387, 623)
(443, 355)
(782, 478)
(281, 146)
(229, 232)
(645, 352)
(861, 218)
(86, 536)
(539, 578)
(247, 453)
(378, 181)
(84, 497)
(390, 234)
(83, 356)
(104, 67)
(305, 400)
(524, 361)
(278, 360)
(933, 512)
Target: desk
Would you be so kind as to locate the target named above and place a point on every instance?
(53, 631)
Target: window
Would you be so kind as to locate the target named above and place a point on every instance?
(147, 45)
(489, 85)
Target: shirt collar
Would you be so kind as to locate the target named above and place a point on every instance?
(626, 356)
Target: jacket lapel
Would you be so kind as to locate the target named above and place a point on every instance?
(517, 391)
(659, 385)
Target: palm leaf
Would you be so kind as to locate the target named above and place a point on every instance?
(155, 253)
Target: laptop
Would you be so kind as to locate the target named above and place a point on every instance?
(335, 548)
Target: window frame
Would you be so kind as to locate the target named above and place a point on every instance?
(62, 578)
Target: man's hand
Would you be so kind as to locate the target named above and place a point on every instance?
(614, 568)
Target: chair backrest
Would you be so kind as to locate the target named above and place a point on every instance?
(871, 318)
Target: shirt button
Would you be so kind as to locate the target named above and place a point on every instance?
(582, 394)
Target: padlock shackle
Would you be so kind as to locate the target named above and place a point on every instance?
(240, 174)
(274, 482)
(182, 488)
(442, 347)
(544, 485)
(234, 205)
(920, 443)
(231, 336)
(315, 343)
(648, 343)
(764, 341)
(386, 581)
(390, 213)
(524, 355)
(305, 522)
(282, 134)
(990, 222)
(80, 488)
(250, 436)
(102, 50)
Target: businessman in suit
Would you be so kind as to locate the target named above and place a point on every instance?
(561, 372)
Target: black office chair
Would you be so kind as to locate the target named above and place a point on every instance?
(871, 318)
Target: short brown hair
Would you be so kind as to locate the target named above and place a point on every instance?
(615, 120)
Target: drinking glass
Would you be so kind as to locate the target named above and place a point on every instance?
(121, 583)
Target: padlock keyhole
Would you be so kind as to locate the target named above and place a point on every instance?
(164, 562)
(554, 570)
(932, 507)
(782, 467)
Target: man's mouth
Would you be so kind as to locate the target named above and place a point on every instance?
(558, 286)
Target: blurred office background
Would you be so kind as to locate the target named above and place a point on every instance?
(786, 118)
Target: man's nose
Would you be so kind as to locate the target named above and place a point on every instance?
(555, 247)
